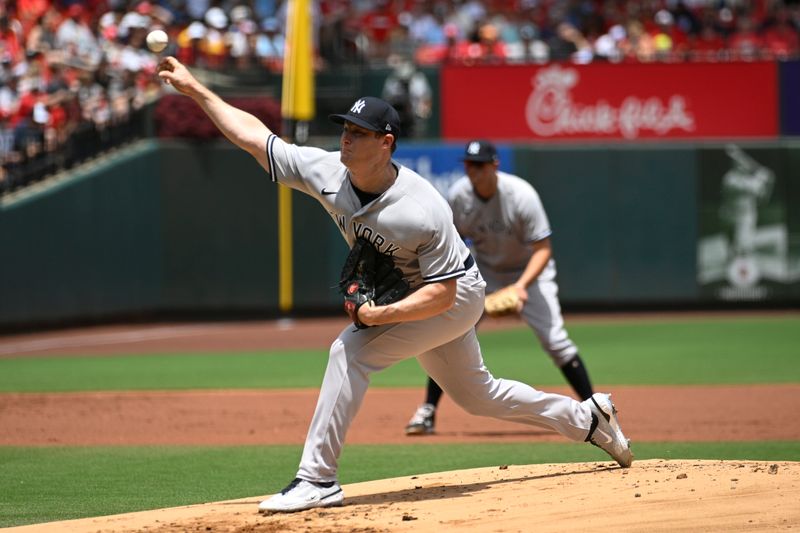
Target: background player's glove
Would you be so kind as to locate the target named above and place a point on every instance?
(502, 302)
(369, 276)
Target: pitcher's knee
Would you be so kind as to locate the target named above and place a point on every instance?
(478, 404)
(336, 350)
(481, 408)
(561, 355)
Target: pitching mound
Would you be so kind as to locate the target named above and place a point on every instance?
(654, 495)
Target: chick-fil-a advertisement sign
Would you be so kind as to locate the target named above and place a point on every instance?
(604, 101)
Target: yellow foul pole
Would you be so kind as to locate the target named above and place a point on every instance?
(297, 103)
(297, 108)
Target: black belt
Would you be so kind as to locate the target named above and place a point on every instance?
(469, 262)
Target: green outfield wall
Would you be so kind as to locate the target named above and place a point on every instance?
(183, 228)
(87, 246)
(157, 228)
(623, 220)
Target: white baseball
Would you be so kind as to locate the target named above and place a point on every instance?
(157, 40)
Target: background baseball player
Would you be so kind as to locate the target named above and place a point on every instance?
(503, 218)
(370, 196)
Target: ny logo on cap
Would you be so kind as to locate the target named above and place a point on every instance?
(358, 106)
(474, 148)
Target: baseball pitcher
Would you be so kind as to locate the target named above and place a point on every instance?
(372, 198)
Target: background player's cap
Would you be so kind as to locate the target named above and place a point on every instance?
(373, 114)
(480, 151)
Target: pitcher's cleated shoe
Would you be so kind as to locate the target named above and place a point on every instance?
(423, 420)
(605, 432)
(301, 494)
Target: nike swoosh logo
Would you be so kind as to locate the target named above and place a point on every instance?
(599, 433)
(320, 497)
(326, 193)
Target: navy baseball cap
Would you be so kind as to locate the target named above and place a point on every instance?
(480, 151)
(373, 114)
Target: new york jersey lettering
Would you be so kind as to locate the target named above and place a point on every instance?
(377, 240)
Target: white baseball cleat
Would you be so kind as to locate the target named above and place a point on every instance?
(301, 494)
(607, 434)
(423, 421)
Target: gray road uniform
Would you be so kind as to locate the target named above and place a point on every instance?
(412, 223)
(502, 231)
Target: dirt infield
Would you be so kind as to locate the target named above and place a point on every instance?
(653, 495)
(741, 413)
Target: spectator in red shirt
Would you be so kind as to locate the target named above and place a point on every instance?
(378, 26)
(780, 38)
(10, 41)
(31, 11)
(432, 54)
(493, 50)
(708, 44)
(745, 44)
(487, 48)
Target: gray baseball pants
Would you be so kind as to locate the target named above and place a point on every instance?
(447, 348)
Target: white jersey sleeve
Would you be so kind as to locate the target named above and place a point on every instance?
(304, 168)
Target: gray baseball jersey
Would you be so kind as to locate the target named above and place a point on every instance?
(502, 231)
(413, 223)
(502, 228)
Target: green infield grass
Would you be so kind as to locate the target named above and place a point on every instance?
(686, 351)
(47, 484)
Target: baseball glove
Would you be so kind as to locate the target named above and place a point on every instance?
(502, 302)
(369, 276)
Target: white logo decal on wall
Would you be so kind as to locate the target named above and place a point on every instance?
(747, 250)
(550, 110)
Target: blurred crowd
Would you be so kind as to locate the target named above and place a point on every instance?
(236, 33)
(580, 31)
(73, 72)
(67, 87)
